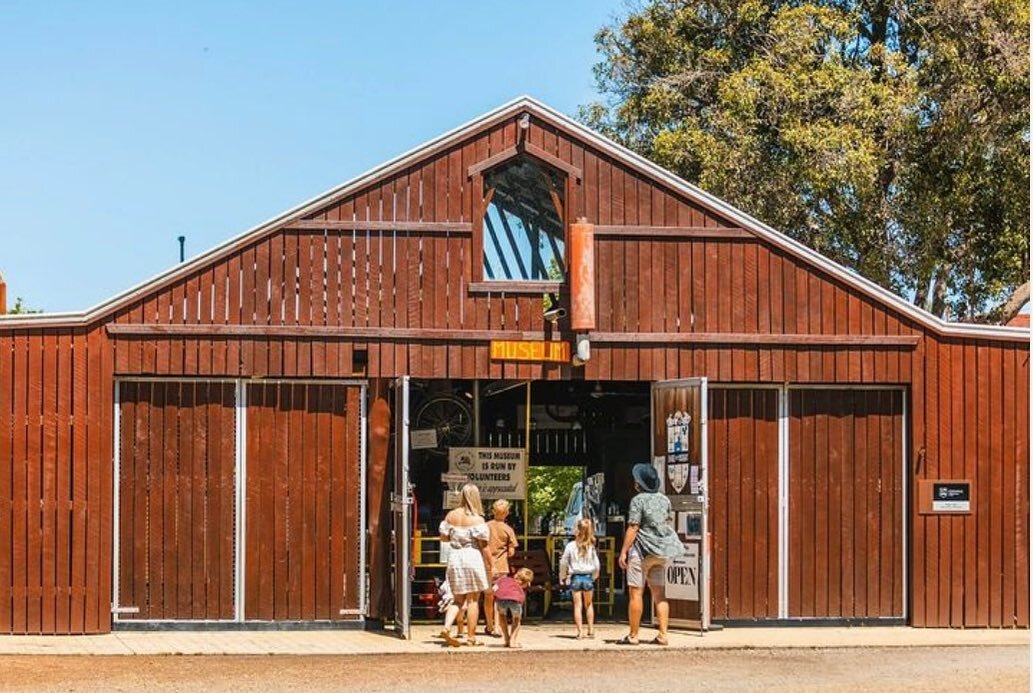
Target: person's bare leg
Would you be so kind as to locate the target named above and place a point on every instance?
(634, 611)
(663, 611)
(589, 613)
(450, 616)
(516, 631)
(471, 617)
(504, 624)
(576, 596)
(489, 612)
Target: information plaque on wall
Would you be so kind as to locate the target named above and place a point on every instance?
(945, 496)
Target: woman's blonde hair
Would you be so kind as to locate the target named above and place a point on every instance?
(584, 536)
(470, 499)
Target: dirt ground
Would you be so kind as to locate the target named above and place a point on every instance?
(884, 669)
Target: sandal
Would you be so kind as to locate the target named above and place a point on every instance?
(627, 640)
(473, 642)
(591, 634)
(449, 639)
(659, 640)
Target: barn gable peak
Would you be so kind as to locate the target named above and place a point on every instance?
(520, 107)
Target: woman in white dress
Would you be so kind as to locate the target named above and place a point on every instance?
(467, 535)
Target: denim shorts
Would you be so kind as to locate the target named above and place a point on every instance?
(581, 583)
(509, 608)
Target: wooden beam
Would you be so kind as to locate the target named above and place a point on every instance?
(122, 330)
(118, 330)
(536, 286)
(802, 340)
(672, 231)
(526, 148)
(505, 154)
(428, 227)
(554, 161)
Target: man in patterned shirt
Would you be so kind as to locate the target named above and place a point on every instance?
(649, 541)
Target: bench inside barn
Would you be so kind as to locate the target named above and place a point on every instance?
(539, 594)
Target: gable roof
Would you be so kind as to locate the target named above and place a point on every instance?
(579, 131)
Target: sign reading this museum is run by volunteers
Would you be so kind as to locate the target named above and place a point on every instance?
(497, 472)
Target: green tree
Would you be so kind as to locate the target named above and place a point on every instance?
(549, 488)
(21, 309)
(891, 136)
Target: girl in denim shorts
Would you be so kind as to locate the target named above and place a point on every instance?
(579, 568)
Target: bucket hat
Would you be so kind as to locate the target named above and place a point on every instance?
(646, 477)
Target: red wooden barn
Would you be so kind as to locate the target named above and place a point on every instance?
(196, 449)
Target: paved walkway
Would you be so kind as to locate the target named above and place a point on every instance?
(547, 637)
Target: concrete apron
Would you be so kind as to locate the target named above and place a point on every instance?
(540, 637)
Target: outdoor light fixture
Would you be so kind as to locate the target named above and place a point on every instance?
(525, 121)
(553, 311)
(582, 350)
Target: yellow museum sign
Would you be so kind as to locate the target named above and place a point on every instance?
(552, 352)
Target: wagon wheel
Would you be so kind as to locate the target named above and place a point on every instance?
(451, 417)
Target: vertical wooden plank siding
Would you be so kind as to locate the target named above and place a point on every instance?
(182, 570)
(819, 578)
(52, 467)
(967, 408)
(302, 498)
(742, 427)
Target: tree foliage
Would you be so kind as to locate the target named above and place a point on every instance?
(549, 488)
(21, 309)
(891, 136)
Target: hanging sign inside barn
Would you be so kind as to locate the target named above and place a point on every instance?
(497, 472)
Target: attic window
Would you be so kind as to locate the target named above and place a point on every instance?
(524, 237)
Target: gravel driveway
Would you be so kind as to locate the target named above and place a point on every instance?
(996, 668)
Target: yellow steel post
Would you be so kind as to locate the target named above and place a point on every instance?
(527, 456)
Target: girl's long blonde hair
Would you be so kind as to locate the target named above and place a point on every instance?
(470, 499)
(584, 536)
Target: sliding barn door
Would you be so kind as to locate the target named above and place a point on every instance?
(176, 488)
(302, 494)
(846, 504)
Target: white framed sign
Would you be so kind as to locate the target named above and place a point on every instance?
(497, 472)
(682, 575)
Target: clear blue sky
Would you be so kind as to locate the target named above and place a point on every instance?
(123, 126)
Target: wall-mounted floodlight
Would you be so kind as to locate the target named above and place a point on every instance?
(553, 311)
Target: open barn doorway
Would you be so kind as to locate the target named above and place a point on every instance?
(574, 443)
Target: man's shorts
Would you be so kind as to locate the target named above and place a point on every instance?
(646, 570)
(509, 608)
(581, 583)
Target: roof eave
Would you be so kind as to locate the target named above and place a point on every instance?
(525, 102)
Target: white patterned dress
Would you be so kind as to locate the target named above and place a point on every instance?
(465, 572)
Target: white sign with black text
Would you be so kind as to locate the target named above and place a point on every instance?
(683, 575)
(497, 472)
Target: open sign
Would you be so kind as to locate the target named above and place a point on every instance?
(682, 575)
